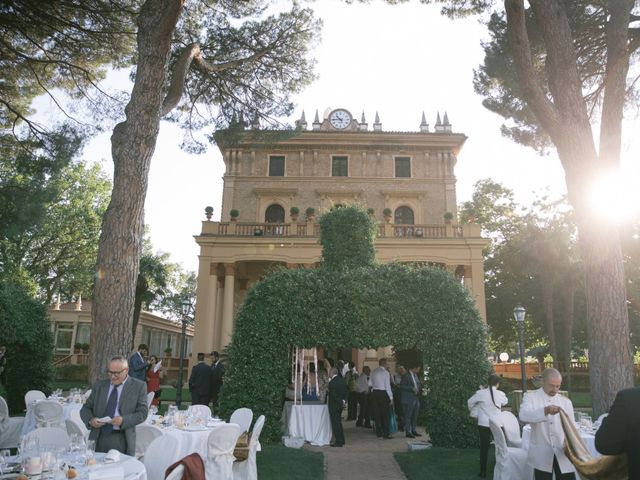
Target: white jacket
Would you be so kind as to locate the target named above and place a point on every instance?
(547, 436)
(486, 409)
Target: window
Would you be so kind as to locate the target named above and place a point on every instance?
(276, 166)
(274, 214)
(339, 167)
(403, 167)
(83, 334)
(64, 334)
(403, 216)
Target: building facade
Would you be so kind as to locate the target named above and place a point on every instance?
(276, 182)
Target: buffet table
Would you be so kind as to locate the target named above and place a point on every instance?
(309, 420)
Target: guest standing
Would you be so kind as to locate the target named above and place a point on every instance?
(323, 380)
(123, 399)
(138, 363)
(620, 430)
(309, 387)
(382, 398)
(486, 403)
(362, 389)
(410, 396)
(350, 378)
(218, 373)
(337, 398)
(153, 380)
(540, 408)
(201, 382)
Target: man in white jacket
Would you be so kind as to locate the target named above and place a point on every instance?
(540, 408)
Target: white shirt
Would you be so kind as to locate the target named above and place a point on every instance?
(362, 384)
(119, 390)
(486, 408)
(547, 435)
(381, 380)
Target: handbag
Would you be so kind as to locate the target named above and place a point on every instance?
(393, 421)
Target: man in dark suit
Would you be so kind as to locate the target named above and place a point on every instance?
(123, 399)
(337, 397)
(138, 363)
(200, 382)
(620, 430)
(409, 396)
(218, 372)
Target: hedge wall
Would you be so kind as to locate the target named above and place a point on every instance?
(373, 306)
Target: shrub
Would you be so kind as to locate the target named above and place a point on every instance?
(310, 211)
(387, 212)
(234, 213)
(371, 211)
(294, 211)
(448, 216)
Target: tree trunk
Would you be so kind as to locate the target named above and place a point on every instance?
(547, 300)
(566, 331)
(132, 145)
(142, 286)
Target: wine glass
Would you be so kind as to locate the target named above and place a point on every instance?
(4, 459)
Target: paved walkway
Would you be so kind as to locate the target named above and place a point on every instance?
(364, 456)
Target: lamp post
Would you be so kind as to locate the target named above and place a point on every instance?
(519, 313)
(186, 306)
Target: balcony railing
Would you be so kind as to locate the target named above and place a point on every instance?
(384, 230)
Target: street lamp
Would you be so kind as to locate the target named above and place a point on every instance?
(519, 313)
(186, 307)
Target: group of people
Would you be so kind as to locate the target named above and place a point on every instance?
(618, 434)
(146, 369)
(205, 380)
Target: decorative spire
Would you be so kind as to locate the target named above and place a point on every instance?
(302, 123)
(364, 126)
(439, 127)
(424, 126)
(377, 126)
(445, 123)
(316, 121)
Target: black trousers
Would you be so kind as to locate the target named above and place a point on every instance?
(381, 412)
(364, 413)
(197, 399)
(336, 424)
(540, 475)
(485, 440)
(352, 406)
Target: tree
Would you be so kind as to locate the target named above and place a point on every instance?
(572, 62)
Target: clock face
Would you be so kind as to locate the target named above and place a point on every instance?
(340, 119)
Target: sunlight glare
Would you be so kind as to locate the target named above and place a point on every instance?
(616, 196)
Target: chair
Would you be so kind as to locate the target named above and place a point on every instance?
(145, 434)
(247, 469)
(48, 413)
(242, 417)
(73, 428)
(176, 473)
(202, 411)
(220, 445)
(32, 396)
(511, 428)
(75, 416)
(50, 436)
(161, 454)
(10, 427)
(511, 463)
(150, 397)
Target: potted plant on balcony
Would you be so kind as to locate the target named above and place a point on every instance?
(294, 212)
(371, 211)
(448, 216)
(310, 212)
(387, 213)
(85, 348)
(167, 351)
(234, 214)
(77, 347)
(208, 211)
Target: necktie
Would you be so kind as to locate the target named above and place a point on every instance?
(413, 377)
(110, 411)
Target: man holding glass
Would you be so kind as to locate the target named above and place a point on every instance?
(114, 408)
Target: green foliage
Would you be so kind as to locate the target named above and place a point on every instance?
(448, 216)
(310, 211)
(371, 211)
(234, 213)
(294, 210)
(387, 212)
(72, 373)
(27, 335)
(439, 463)
(347, 238)
(370, 306)
(277, 462)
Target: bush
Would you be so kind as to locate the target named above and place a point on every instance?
(234, 213)
(294, 211)
(310, 211)
(27, 335)
(72, 373)
(387, 212)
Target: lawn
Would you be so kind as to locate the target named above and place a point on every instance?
(279, 462)
(441, 463)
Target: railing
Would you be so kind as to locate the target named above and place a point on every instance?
(384, 230)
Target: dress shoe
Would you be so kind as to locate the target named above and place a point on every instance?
(416, 434)
(337, 445)
(410, 435)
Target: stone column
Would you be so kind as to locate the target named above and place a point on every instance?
(477, 287)
(227, 306)
(203, 328)
(217, 332)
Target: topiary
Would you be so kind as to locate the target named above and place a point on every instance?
(234, 213)
(294, 211)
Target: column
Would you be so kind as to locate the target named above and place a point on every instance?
(217, 332)
(204, 321)
(477, 282)
(227, 305)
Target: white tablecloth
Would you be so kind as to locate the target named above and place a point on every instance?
(29, 424)
(588, 438)
(191, 440)
(309, 421)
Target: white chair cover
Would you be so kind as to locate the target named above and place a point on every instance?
(176, 474)
(73, 428)
(75, 416)
(48, 413)
(162, 453)
(50, 436)
(10, 427)
(202, 411)
(243, 417)
(33, 395)
(150, 396)
(511, 463)
(145, 434)
(247, 469)
(511, 428)
(220, 445)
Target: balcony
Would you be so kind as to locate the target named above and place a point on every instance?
(304, 230)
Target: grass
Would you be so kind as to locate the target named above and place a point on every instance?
(440, 463)
(277, 462)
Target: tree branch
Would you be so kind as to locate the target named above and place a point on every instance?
(178, 77)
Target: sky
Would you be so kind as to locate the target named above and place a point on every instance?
(399, 61)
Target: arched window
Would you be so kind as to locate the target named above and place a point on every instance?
(274, 214)
(403, 216)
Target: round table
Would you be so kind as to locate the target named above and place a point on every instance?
(29, 424)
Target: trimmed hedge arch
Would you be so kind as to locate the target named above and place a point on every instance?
(364, 307)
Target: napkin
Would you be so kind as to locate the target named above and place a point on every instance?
(112, 456)
(107, 473)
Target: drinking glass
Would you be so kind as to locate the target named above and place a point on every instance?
(4, 458)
